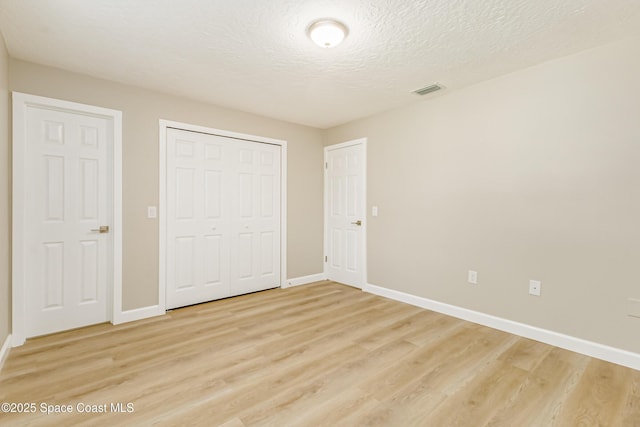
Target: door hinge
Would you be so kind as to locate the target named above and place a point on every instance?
(326, 165)
(325, 258)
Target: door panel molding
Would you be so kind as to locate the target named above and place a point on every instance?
(113, 118)
(164, 126)
(331, 252)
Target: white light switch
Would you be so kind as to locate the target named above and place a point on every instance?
(152, 212)
(374, 211)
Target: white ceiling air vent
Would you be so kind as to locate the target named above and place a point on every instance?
(428, 89)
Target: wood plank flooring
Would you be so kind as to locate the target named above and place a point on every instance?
(317, 355)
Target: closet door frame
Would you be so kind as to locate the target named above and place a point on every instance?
(164, 125)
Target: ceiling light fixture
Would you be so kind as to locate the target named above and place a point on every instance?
(327, 32)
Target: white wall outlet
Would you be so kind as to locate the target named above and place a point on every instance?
(535, 287)
(152, 212)
(472, 277)
(374, 211)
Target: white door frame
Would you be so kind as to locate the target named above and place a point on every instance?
(162, 207)
(328, 148)
(21, 102)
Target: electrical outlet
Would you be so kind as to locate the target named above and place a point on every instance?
(535, 287)
(374, 211)
(152, 212)
(472, 277)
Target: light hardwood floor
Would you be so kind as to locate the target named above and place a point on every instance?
(317, 355)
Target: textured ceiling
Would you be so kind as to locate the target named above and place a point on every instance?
(254, 55)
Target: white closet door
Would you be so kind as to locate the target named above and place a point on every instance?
(255, 242)
(223, 217)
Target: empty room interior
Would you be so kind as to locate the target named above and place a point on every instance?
(303, 213)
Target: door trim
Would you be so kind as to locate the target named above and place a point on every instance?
(162, 203)
(328, 148)
(114, 288)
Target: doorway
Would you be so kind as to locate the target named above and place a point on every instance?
(66, 215)
(345, 212)
(222, 211)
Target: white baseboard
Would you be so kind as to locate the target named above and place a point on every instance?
(4, 351)
(304, 280)
(138, 314)
(589, 348)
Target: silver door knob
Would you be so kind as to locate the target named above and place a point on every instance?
(358, 223)
(103, 229)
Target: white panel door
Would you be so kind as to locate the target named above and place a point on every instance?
(345, 213)
(255, 242)
(223, 217)
(198, 217)
(68, 198)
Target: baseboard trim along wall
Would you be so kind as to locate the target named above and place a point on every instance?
(156, 310)
(4, 351)
(589, 348)
(304, 280)
(138, 314)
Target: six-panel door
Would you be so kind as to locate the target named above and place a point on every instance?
(67, 184)
(345, 214)
(223, 217)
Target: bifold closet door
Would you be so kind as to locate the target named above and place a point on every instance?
(223, 217)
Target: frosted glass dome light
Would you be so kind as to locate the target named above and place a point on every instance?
(327, 33)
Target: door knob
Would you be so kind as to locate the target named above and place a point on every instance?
(358, 223)
(103, 229)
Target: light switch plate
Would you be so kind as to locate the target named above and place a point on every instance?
(374, 211)
(152, 212)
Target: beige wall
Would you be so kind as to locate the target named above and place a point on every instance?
(141, 111)
(534, 175)
(5, 182)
